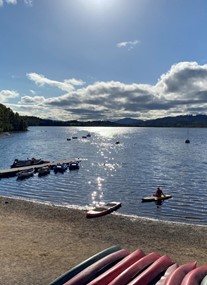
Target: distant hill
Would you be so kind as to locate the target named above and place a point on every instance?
(129, 121)
(35, 121)
(179, 121)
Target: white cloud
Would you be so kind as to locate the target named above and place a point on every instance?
(32, 91)
(5, 95)
(28, 2)
(181, 90)
(129, 44)
(36, 100)
(66, 85)
(14, 2)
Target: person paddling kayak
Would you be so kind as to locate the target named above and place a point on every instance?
(158, 193)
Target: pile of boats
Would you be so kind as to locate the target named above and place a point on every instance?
(117, 266)
(35, 164)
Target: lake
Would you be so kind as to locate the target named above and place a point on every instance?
(144, 159)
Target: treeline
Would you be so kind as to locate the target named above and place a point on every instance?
(10, 121)
(35, 121)
(189, 121)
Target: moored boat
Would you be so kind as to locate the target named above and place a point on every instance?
(103, 209)
(75, 164)
(60, 167)
(25, 173)
(27, 162)
(43, 170)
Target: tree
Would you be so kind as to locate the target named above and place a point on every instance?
(10, 121)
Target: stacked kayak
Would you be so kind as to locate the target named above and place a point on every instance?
(117, 266)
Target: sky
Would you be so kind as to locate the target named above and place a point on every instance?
(103, 59)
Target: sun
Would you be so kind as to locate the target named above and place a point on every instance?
(100, 5)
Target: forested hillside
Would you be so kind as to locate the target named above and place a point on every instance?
(10, 121)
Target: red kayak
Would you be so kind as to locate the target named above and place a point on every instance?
(152, 271)
(168, 273)
(177, 276)
(114, 271)
(195, 276)
(127, 275)
(92, 271)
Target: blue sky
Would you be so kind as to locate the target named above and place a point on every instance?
(103, 59)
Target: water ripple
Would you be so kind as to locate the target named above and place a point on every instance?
(144, 159)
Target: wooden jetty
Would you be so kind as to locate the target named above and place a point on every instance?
(10, 172)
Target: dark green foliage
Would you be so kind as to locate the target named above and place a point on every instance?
(10, 121)
(35, 121)
(179, 121)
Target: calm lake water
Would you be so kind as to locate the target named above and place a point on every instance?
(125, 172)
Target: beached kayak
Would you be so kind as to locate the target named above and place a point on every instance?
(178, 275)
(115, 270)
(154, 198)
(86, 263)
(97, 268)
(195, 276)
(103, 209)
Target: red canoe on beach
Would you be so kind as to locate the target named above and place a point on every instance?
(195, 276)
(127, 275)
(94, 270)
(114, 271)
(149, 274)
(178, 275)
(103, 209)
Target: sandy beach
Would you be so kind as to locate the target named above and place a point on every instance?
(40, 242)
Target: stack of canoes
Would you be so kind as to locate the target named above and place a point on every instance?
(117, 266)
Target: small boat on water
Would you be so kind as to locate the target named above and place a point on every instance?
(74, 165)
(25, 173)
(154, 198)
(27, 162)
(103, 209)
(43, 171)
(60, 167)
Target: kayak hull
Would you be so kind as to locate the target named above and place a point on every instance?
(154, 198)
(103, 210)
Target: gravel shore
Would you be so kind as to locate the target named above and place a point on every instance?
(40, 242)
